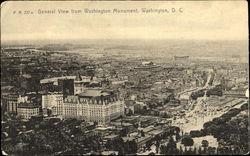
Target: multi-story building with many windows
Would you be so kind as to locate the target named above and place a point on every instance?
(52, 101)
(27, 110)
(11, 102)
(92, 105)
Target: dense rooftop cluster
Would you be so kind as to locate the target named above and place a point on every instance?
(57, 101)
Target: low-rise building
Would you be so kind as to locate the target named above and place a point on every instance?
(27, 110)
(239, 93)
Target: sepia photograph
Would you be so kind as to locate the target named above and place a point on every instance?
(124, 78)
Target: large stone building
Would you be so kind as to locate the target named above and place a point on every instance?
(51, 102)
(11, 102)
(27, 110)
(66, 86)
(93, 105)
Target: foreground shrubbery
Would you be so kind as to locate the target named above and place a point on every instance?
(64, 138)
(230, 129)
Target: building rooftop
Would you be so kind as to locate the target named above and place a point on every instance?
(109, 152)
(27, 105)
(148, 129)
(6, 87)
(112, 136)
(77, 78)
(156, 132)
(72, 98)
(101, 128)
(145, 63)
(94, 96)
(130, 138)
(141, 139)
(94, 93)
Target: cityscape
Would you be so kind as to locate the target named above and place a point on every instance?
(105, 95)
(57, 101)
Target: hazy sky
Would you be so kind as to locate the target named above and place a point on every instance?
(219, 20)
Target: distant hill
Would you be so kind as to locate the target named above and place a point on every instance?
(201, 48)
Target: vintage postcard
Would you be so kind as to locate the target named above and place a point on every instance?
(124, 78)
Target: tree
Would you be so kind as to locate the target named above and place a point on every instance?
(190, 151)
(118, 145)
(163, 149)
(37, 142)
(12, 131)
(171, 146)
(204, 144)
(187, 141)
(199, 151)
(157, 146)
(25, 138)
(123, 133)
(181, 151)
(185, 150)
(109, 145)
(195, 151)
(133, 146)
(130, 147)
(196, 133)
(211, 150)
(136, 125)
(177, 130)
(207, 124)
(48, 148)
(244, 107)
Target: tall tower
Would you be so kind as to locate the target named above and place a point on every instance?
(21, 69)
(78, 84)
(66, 86)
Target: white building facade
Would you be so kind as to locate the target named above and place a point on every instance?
(97, 108)
(51, 102)
(26, 112)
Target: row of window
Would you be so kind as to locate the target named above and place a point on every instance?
(29, 113)
(94, 111)
(28, 110)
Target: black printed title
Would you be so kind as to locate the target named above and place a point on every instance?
(101, 11)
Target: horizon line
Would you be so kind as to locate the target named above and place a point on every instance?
(5, 40)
